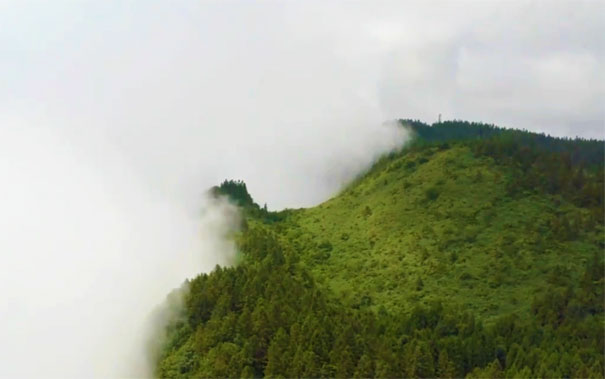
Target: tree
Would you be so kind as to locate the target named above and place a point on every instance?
(419, 360)
(445, 367)
(277, 355)
(365, 367)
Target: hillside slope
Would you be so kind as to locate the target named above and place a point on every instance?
(439, 224)
(468, 253)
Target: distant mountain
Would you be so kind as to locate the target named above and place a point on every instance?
(474, 251)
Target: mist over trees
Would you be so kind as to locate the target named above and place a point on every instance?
(283, 311)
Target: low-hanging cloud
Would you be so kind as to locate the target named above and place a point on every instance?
(115, 117)
(87, 256)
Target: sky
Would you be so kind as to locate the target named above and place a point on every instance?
(116, 116)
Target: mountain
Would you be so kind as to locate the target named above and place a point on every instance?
(474, 251)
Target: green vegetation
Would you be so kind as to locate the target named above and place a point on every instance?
(237, 193)
(476, 251)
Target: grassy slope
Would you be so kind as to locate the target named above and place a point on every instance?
(437, 225)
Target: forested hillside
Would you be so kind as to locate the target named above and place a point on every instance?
(475, 251)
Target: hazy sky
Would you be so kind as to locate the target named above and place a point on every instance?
(116, 115)
(203, 90)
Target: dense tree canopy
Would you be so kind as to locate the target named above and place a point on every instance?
(475, 252)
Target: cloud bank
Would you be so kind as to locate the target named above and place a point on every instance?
(87, 256)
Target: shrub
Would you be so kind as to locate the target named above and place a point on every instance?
(431, 193)
(325, 246)
(367, 212)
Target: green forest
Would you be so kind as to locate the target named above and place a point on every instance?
(473, 251)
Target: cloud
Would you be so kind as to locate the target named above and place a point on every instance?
(531, 65)
(86, 256)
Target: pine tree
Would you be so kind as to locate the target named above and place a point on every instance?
(445, 367)
(420, 363)
(277, 355)
(365, 367)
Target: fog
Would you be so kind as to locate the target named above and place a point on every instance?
(88, 253)
(115, 117)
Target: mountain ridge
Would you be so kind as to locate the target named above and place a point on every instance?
(446, 258)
